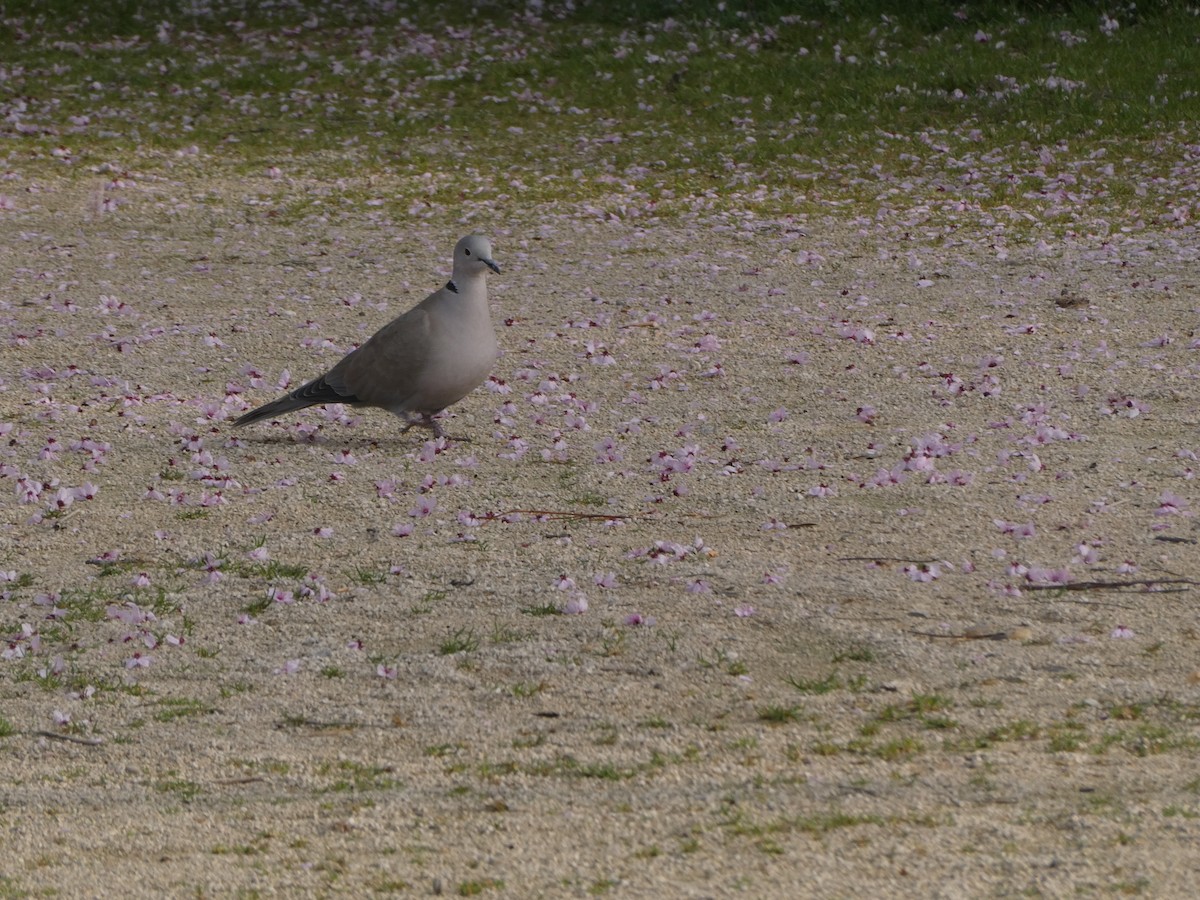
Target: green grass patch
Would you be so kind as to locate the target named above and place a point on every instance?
(779, 715)
(367, 577)
(463, 640)
(171, 709)
(180, 789)
(476, 887)
(825, 685)
(354, 777)
(528, 688)
(816, 825)
(856, 654)
(780, 105)
(545, 609)
(506, 634)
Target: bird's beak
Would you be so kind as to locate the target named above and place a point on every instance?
(491, 265)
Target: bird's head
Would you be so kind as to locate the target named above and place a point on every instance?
(473, 255)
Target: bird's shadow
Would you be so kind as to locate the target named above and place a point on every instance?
(324, 440)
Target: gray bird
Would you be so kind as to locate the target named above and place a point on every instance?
(420, 362)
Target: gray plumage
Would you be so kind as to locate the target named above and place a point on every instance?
(420, 362)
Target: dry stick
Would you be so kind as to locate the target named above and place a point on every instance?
(313, 723)
(88, 742)
(991, 636)
(1107, 585)
(1065, 586)
(883, 559)
(558, 514)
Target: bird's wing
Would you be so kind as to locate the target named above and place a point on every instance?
(387, 369)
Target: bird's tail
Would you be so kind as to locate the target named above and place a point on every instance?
(316, 392)
(272, 409)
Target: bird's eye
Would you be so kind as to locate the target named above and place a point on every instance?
(467, 250)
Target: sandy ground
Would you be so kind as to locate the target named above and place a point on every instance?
(813, 506)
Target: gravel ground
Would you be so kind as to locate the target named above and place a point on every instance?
(882, 542)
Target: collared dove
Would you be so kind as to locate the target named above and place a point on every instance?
(420, 362)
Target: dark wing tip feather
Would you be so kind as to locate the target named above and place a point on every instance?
(320, 391)
(313, 393)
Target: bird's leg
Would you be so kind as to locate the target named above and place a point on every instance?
(426, 420)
